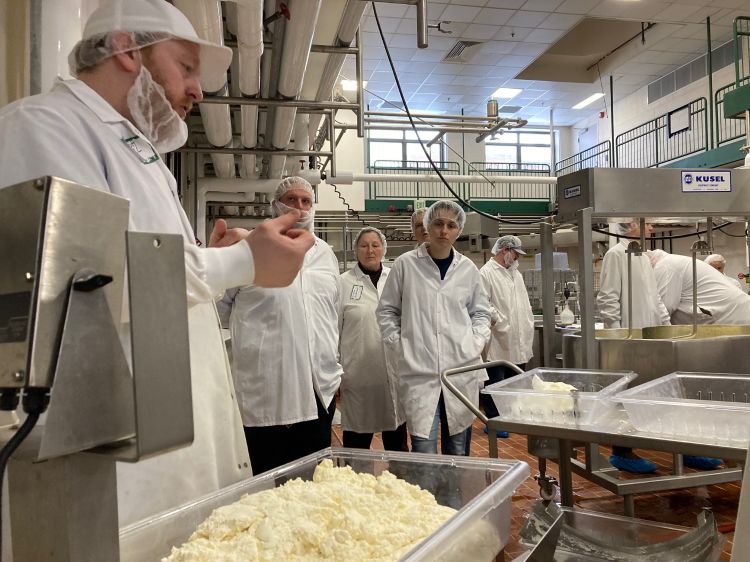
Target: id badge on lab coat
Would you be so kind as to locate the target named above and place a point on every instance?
(142, 149)
(356, 292)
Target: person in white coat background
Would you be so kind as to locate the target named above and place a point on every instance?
(285, 343)
(719, 263)
(418, 227)
(719, 300)
(648, 310)
(138, 69)
(369, 396)
(434, 316)
(512, 324)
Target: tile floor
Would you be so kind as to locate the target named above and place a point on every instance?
(679, 507)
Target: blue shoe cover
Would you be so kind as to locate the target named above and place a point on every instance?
(636, 465)
(500, 434)
(701, 463)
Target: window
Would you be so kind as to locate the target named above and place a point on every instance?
(399, 147)
(527, 147)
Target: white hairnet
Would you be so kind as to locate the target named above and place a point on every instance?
(415, 216)
(367, 229)
(508, 241)
(445, 206)
(149, 22)
(621, 226)
(292, 182)
(716, 258)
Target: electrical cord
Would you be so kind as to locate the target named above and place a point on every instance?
(424, 149)
(731, 235)
(18, 437)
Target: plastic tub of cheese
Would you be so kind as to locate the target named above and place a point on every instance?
(571, 397)
(709, 407)
(461, 510)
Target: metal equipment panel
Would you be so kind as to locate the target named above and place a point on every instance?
(648, 192)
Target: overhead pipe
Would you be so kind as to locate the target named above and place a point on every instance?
(206, 18)
(298, 38)
(347, 29)
(250, 51)
(346, 178)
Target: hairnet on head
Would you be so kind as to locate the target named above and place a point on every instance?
(150, 22)
(716, 258)
(508, 242)
(367, 229)
(292, 182)
(621, 226)
(416, 215)
(445, 206)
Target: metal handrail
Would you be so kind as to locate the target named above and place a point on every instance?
(584, 159)
(735, 127)
(460, 395)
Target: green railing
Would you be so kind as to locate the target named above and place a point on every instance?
(741, 29)
(506, 189)
(727, 130)
(657, 142)
(598, 156)
(384, 189)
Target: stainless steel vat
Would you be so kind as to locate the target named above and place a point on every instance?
(660, 350)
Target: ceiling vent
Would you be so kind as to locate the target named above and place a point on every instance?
(463, 51)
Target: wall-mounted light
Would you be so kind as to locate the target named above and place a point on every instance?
(589, 100)
(506, 93)
(351, 85)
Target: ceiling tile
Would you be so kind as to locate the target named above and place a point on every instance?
(527, 19)
(391, 10)
(470, 2)
(428, 55)
(560, 21)
(675, 12)
(459, 13)
(401, 54)
(401, 40)
(464, 80)
(511, 33)
(507, 4)
(577, 6)
(475, 70)
(439, 79)
(541, 5)
(492, 16)
(389, 25)
(479, 32)
(446, 68)
(499, 47)
(408, 27)
(530, 49)
(545, 35)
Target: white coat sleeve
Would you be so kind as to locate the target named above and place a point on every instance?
(669, 288)
(211, 271)
(487, 286)
(479, 312)
(610, 291)
(224, 306)
(389, 307)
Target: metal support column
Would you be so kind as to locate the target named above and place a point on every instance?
(548, 294)
(709, 73)
(566, 473)
(360, 89)
(586, 283)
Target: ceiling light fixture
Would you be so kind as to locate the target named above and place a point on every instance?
(589, 100)
(506, 93)
(351, 85)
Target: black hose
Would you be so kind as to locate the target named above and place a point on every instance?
(8, 450)
(424, 149)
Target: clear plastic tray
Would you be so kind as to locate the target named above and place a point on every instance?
(516, 400)
(709, 407)
(481, 490)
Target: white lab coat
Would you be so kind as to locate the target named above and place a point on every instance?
(512, 330)
(369, 395)
(285, 343)
(612, 299)
(716, 294)
(75, 134)
(734, 281)
(431, 326)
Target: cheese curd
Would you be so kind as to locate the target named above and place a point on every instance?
(340, 515)
(545, 408)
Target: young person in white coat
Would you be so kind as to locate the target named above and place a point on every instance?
(512, 326)
(434, 316)
(285, 348)
(648, 310)
(369, 395)
(139, 70)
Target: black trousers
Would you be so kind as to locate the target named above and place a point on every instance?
(395, 440)
(496, 374)
(275, 445)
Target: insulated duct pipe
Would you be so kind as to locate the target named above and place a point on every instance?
(250, 51)
(344, 36)
(205, 15)
(298, 39)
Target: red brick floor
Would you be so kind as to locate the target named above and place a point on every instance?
(678, 507)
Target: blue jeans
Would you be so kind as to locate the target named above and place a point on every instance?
(449, 444)
(496, 374)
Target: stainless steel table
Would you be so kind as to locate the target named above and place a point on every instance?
(615, 430)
